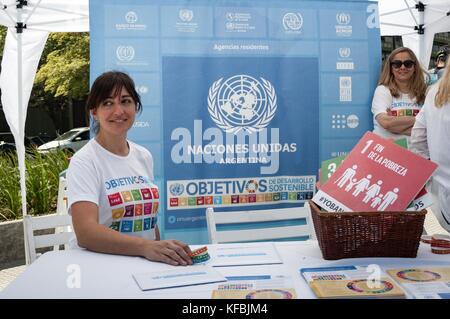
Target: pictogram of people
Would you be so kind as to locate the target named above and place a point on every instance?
(389, 199)
(347, 176)
(376, 201)
(372, 191)
(362, 185)
(350, 184)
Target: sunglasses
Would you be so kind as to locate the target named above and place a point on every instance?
(397, 64)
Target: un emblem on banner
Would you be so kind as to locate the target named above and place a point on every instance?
(344, 52)
(292, 21)
(241, 102)
(131, 17)
(186, 15)
(125, 53)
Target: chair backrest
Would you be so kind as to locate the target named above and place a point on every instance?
(54, 221)
(62, 203)
(251, 218)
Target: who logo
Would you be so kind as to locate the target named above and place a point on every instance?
(242, 103)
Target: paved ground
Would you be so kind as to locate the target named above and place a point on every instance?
(7, 275)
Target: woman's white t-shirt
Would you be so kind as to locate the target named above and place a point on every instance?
(121, 186)
(384, 102)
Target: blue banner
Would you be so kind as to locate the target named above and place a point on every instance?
(242, 100)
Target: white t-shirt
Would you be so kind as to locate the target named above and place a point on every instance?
(399, 106)
(430, 137)
(120, 186)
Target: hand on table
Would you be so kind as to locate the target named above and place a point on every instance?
(172, 252)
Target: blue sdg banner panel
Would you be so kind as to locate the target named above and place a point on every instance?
(242, 100)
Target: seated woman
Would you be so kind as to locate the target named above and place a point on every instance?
(111, 196)
(399, 96)
(431, 138)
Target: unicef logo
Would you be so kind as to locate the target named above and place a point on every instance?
(131, 17)
(241, 102)
(186, 15)
(343, 18)
(292, 21)
(230, 16)
(344, 52)
(125, 53)
(176, 189)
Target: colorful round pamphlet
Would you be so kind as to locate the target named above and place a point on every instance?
(361, 286)
(418, 275)
(269, 294)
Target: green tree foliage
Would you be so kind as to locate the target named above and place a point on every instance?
(64, 70)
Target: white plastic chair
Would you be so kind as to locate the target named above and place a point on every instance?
(254, 216)
(61, 203)
(55, 221)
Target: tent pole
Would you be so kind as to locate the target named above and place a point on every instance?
(21, 158)
(421, 31)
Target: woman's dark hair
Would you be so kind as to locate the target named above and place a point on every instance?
(111, 82)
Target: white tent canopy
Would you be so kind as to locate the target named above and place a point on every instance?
(416, 21)
(29, 23)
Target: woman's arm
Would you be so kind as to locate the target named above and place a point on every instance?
(418, 142)
(96, 237)
(396, 124)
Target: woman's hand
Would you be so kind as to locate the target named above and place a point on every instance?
(172, 252)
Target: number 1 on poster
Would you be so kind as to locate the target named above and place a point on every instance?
(368, 143)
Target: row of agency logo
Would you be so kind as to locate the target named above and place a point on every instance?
(183, 194)
(240, 186)
(233, 200)
(128, 54)
(187, 20)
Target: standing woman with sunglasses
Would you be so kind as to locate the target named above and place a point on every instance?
(399, 96)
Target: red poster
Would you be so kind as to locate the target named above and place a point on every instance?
(377, 175)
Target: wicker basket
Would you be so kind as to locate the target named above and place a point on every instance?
(367, 234)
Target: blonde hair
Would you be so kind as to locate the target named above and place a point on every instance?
(417, 83)
(443, 93)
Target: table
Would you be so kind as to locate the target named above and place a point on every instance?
(55, 274)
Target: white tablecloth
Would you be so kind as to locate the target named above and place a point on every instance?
(110, 276)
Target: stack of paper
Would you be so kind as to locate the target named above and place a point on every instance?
(350, 282)
(424, 282)
(182, 276)
(259, 286)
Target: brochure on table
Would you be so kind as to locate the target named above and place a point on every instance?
(424, 282)
(243, 254)
(351, 282)
(179, 277)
